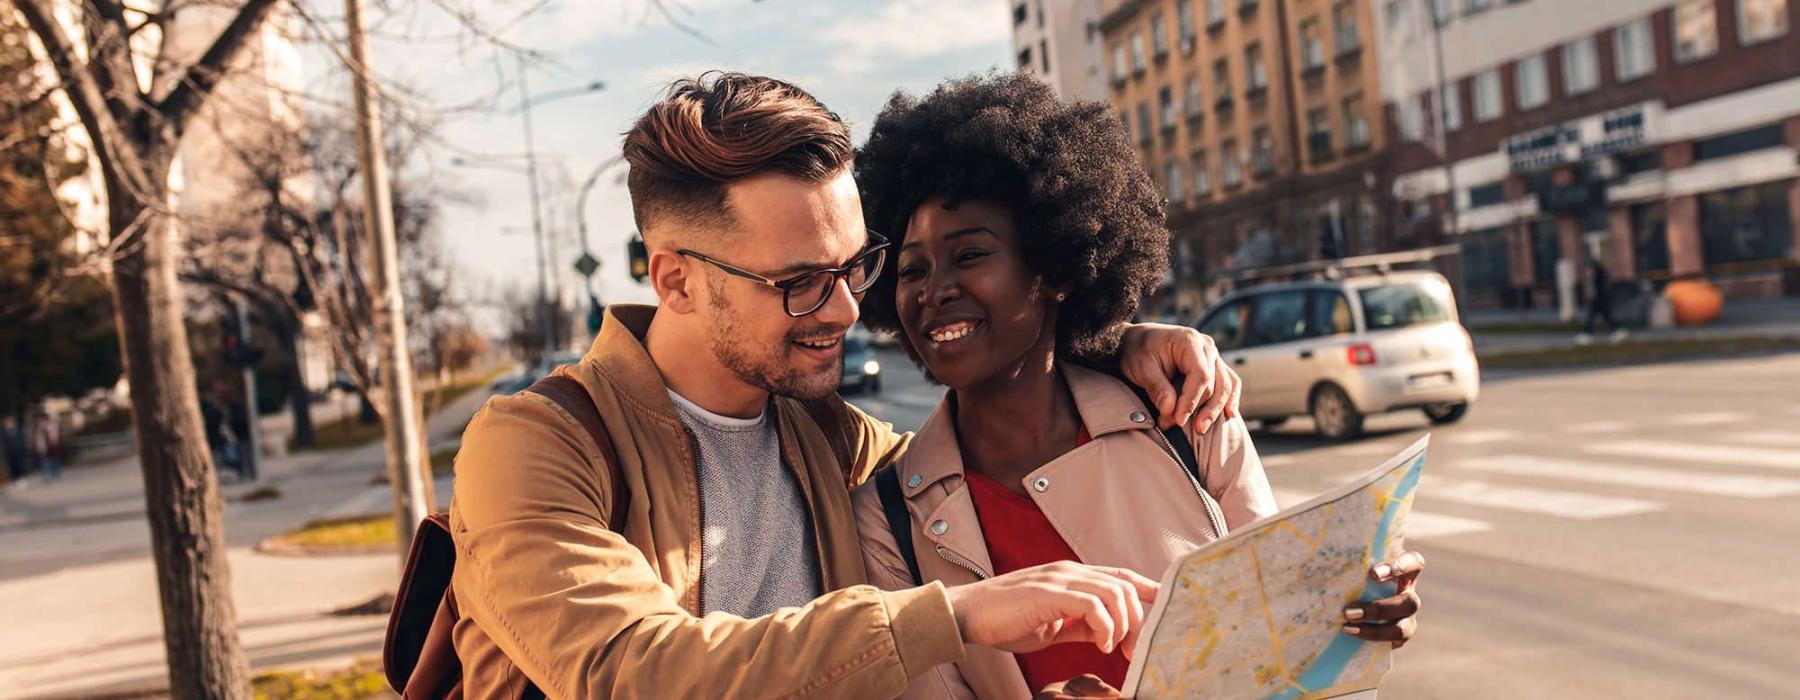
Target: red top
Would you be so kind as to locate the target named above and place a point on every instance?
(1019, 537)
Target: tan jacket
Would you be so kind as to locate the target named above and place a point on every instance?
(1122, 499)
(549, 593)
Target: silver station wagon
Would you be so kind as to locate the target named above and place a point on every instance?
(1340, 350)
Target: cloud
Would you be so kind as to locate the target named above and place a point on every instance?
(914, 29)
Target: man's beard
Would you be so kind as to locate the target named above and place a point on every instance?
(766, 367)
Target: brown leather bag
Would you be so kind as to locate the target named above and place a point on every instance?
(419, 655)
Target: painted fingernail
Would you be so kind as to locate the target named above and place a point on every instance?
(1383, 570)
(1352, 630)
(1353, 614)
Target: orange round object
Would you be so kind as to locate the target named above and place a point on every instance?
(1695, 302)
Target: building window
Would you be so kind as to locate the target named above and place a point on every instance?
(1025, 58)
(1343, 22)
(1191, 97)
(1488, 102)
(1532, 81)
(1761, 20)
(1215, 12)
(1312, 45)
(1120, 67)
(1044, 54)
(1474, 6)
(1486, 261)
(1165, 103)
(1581, 66)
(1137, 52)
(1450, 107)
(1696, 30)
(1356, 126)
(1159, 39)
(1442, 11)
(1262, 154)
(1634, 53)
(1409, 117)
(1144, 123)
(1650, 238)
(1318, 133)
(1040, 14)
(1172, 180)
(1019, 13)
(1231, 159)
(1184, 18)
(1399, 19)
(1546, 249)
(1487, 195)
(1202, 175)
(1125, 123)
(1745, 224)
(1222, 80)
(1740, 142)
(1256, 74)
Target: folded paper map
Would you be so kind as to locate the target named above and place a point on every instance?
(1259, 614)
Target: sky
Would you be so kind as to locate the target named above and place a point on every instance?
(851, 54)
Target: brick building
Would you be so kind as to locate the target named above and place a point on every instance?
(1660, 135)
(1261, 120)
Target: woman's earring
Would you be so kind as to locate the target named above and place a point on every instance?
(1061, 296)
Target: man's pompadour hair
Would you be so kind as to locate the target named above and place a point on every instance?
(717, 128)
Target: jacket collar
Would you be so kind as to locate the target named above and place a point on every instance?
(619, 354)
(1106, 405)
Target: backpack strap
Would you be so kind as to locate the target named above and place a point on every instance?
(1177, 435)
(574, 398)
(893, 505)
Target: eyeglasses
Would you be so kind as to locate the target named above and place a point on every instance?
(806, 292)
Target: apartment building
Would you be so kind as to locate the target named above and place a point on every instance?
(1259, 118)
(1059, 41)
(1658, 135)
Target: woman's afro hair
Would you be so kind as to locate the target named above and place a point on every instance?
(1090, 220)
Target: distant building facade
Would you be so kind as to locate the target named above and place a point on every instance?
(1059, 41)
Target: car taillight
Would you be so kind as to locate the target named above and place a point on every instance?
(1362, 354)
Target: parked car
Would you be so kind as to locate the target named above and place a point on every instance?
(1340, 350)
(862, 372)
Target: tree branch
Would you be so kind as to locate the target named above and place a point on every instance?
(198, 81)
(111, 144)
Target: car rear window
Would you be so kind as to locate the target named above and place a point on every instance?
(1402, 305)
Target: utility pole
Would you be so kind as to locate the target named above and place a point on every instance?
(253, 451)
(405, 448)
(537, 218)
(1443, 149)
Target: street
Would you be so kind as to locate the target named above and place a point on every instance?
(1597, 533)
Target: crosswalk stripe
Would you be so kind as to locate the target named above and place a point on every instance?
(1277, 460)
(1479, 437)
(1770, 438)
(1597, 427)
(1562, 504)
(1419, 524)
(1715, 418)
(1720, 455)
(1715, 484)
(1423, 525)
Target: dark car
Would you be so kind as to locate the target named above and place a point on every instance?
(862, 371)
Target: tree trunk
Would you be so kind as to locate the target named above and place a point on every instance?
(299, 399)
(181, 492)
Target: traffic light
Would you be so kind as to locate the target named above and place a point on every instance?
(238, 351)
(640, 258)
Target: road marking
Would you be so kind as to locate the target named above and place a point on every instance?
(1719, 455)
(1561, 504)
(1771, 438)
(1419, 524)
(1368, 448)
(1711, 483)
(1715, 418)
(1278, 460)
(1479, 437)
(1422, 525)
(1597, 427)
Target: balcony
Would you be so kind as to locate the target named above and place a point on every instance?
(1224, 103)
(1318, 145)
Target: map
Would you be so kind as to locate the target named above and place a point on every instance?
(1259, 614)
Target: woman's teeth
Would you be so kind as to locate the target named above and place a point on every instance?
(954, 331)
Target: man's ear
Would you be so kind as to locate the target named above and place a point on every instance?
(675, 289)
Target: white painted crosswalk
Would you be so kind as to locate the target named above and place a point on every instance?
(1676, 480)
(1767, 437)
(1701, 454)
(1714, 418)
(1573, 505)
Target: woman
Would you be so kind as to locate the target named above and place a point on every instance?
(1025, 236)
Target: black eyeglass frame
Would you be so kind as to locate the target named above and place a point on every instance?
(878, 245)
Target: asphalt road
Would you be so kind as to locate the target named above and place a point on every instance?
(1629, 532)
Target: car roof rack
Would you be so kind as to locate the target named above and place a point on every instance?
(1332, 270)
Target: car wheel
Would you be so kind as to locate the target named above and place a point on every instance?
(1334, 414)
(874, 383)
(1446, 413)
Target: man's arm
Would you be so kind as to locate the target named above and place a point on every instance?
(583, 614)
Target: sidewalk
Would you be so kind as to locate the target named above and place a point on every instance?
(1512, 332)
(78, 586)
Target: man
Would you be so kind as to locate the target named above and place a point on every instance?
(736, 571)
(1599, 306)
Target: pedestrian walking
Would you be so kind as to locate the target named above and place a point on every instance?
(1599, 307)
(12, 441)
(49, 444)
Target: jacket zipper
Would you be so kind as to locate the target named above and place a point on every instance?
(961, 563)
(1212, 509)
